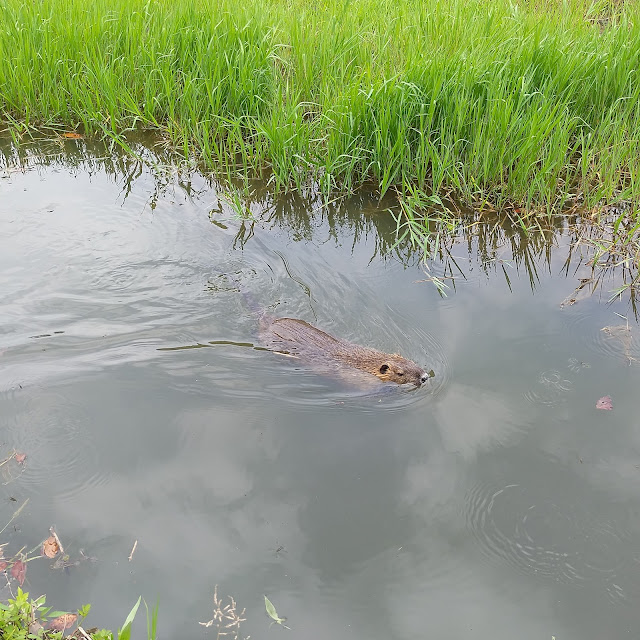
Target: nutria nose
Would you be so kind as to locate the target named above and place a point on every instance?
(424, 377)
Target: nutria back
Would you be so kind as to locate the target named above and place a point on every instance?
(300, 339)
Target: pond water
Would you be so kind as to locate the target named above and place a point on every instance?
(494, 502)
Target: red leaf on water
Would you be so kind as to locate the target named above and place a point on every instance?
(3, 565)
(65, 621)
(20, 457)
(605, 403)
(19, 570)
(72, 135)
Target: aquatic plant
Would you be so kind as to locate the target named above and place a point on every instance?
(226, 618)
(273, 614)
(22, 618)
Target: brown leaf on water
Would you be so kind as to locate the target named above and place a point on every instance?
(20, 457)
(65, 621)
(72, 135)
(605, 403)
(19, 570)
(50, 547)
(3, 565)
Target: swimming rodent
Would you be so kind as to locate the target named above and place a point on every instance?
(302, 340)
(332, 356)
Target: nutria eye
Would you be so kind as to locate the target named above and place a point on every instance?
(384, 368)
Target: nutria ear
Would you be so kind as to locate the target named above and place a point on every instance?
(384, 368)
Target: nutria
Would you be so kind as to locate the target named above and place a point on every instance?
(299, 339)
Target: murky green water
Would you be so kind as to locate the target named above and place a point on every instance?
(495, 502)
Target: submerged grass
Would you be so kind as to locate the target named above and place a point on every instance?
(533, 103)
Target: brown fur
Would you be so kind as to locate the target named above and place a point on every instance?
(300, 339)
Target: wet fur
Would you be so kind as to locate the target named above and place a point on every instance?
(299, 339)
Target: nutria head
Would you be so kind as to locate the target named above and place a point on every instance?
(402, 371)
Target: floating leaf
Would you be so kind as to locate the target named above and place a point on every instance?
(18, 571)
(20, 457)
(65, 621)
(3, 565)
(605, 403)
(273, 614)
(72, 135)
(271, 610)
(50, 547)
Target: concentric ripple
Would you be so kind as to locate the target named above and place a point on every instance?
(550, 389)
(54, 431)
(309, 383)
(617, 341)
(547, 537)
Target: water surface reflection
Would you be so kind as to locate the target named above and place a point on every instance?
(496, 502)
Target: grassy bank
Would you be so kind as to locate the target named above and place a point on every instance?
(23, 618)
(532, 103)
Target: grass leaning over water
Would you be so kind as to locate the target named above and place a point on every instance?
(22, 618)
(533, 103)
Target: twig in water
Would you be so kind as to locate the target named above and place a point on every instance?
(52, 531)
(7, 459)
(84, 633)
(15, 515)
(135, 545)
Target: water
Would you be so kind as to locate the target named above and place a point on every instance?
(495, 502)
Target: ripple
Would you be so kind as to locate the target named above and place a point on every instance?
(381, 328)
(240, 372)
(435, 359)
(54, 432)
(546, 537)
(619, 342)
(578, 317)
(616, 340)
(577, 366)
(304, 385)
(551, 389)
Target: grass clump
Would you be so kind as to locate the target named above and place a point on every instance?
(24, 619)
(530, 102)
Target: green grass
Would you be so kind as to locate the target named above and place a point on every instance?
(532, 103)
(22, 618)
